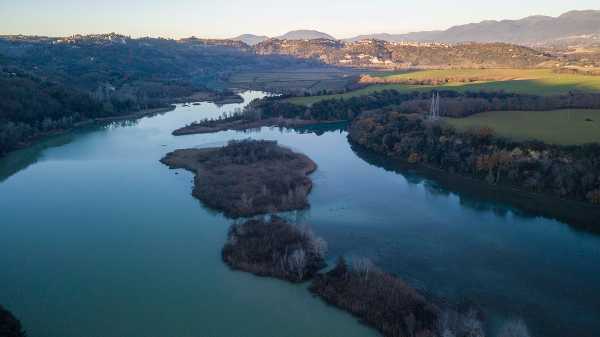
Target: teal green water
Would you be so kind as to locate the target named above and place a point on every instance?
(100, 239)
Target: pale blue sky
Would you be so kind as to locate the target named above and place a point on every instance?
(341, 18)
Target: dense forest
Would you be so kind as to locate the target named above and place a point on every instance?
(50, 84)
(570, 172)
(452, 104)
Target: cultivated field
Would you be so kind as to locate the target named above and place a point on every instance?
(564, 127)
(295, 80)
(461, 75)
(525, 81)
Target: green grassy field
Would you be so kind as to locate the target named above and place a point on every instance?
(525, 81)
(564, 127)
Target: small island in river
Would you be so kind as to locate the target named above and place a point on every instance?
(247, 177)
(274, 248)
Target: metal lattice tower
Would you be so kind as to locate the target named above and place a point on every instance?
(434, 113)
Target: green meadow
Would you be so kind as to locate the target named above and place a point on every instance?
(563, 127)
(523, 81)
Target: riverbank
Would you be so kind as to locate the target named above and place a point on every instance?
(566, 172)
(85, 123)
(577, 214)
(218, 98)
(248, 177)
(135, 115)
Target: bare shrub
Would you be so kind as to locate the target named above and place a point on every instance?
(380, 300)
(297, 263)
(274, 248)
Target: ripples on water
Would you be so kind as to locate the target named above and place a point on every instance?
(100, 239)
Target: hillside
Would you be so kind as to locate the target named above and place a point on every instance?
(533, 30)
(53, 84)
(377, 53)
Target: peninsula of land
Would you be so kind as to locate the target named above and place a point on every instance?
(211, 126)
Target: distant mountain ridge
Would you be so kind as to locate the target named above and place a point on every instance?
(304, 34)
(250, 39)
(532, 30)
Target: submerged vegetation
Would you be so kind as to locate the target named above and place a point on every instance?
(247, 177)
(274, 248)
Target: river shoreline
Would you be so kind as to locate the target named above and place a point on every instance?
(579, 214)
(85, 123)
(205, 97)
(136, 115)
(396, 220)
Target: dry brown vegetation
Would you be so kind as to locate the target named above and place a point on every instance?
(377, 298)
(391, 306)
(247, 177)
(274, 248)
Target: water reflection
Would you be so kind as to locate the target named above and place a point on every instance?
(123, 238)
(19, 160)
(482, 197)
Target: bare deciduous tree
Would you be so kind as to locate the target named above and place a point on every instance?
(362, 266)
(297, 263)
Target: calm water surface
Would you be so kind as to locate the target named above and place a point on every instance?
(100, 239)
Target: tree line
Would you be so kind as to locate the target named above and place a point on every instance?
(571, 172)
(452, 104)
(31, 106)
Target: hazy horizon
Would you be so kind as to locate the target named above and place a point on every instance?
(341, 19)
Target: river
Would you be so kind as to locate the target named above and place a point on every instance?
(99, 239)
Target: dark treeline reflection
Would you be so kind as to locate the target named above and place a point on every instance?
(21, 159)
(481, 197)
